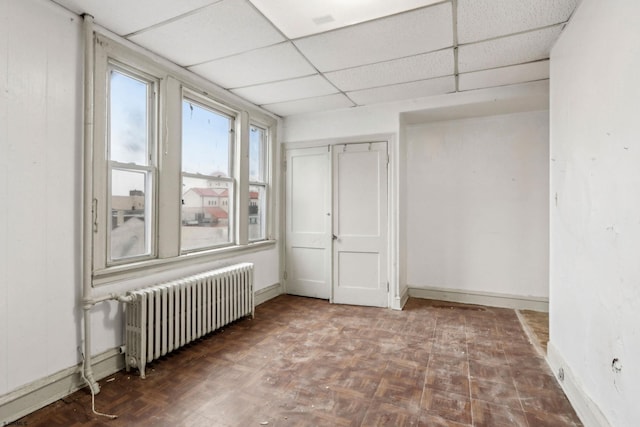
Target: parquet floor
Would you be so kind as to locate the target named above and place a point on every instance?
(538, 324)
(305, 362)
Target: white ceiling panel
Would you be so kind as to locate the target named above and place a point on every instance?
(420, 31)
(310, 105)
(413, 68)
(226, 28)
(302, 18)
(125, 16)
(402, 91)
(270, 93)
(517, 49)
(304, 55)
(484, 19)
(269, 64)
(504, 76)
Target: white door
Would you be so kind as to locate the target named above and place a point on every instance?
(308, 222)
(360, 224)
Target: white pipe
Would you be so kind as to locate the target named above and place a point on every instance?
(87, 197)
(110, 297)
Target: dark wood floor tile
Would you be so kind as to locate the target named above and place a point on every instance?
(491, 415)
(452, 407)
(429, 420)
(405, 369)
(416, 354)
(482, 334)
(453, 383)
(419, 326)
(396, 326)
(549, 401)
(385, 414)
(489, 371)
(527, 361)
(455, 348)
(500, 393)
(486, 353)
(342, 408)
(538, 323)
(530, 380)
(545, 419)
(449, 364)
(305, 362)
(399, 393)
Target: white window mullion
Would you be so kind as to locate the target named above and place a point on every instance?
(169, 164)
(242, 177)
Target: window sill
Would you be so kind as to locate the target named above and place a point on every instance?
(114, 274)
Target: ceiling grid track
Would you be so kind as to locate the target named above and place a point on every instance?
(293, 57)
(454, 23)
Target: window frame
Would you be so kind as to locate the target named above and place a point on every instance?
(172, 85)
(150, 169)
(264, 183)
(232, 179)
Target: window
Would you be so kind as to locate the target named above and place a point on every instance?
(131, 166)
(169, 182)
(207, 160)
(257, 182)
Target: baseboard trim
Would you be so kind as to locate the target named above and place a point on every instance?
(517, 302)
(404, 297)
(45, 391)
(265, 294)
(586, 409)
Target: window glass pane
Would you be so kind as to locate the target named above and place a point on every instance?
(130, 215)
(128, 115)
(256, 154)
(206, 140)
(257, 197)
(206, 212)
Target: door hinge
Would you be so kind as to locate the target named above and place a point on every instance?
(387, 286)
(284, 165)
(285, 275)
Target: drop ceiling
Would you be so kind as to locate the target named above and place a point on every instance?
(293, 56)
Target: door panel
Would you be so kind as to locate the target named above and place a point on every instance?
(360, 224)
(308, 222)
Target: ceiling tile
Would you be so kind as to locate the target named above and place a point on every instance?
(484, 19)
(125, 16)
(277, 62)
(398, 92)
(301, 18)
(511, 50)
(420, 31)
(310, 105)
(226, 28)
(413, 68)
(270, 93)
(504, 76)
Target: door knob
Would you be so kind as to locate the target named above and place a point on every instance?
(334, 237)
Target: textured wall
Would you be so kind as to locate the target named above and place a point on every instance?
(477, 204)
(595, 208)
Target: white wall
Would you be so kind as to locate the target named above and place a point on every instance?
(41, 77)
(40, 186)
(595, 224)
(477, 204)
(395, 118)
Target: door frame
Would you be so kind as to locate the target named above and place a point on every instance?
(396, 299)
